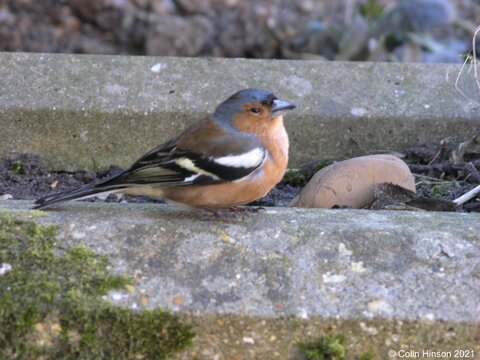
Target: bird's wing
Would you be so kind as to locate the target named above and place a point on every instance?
(175, 163)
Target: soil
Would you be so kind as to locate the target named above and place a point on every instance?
(442, 175)
(24, 178)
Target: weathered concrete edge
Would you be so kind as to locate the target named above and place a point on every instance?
(330, 248)
(82, 112)
(257, 337)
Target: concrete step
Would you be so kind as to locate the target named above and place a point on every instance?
(89, 112)
(254, 285)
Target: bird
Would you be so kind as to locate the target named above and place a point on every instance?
(231, 158)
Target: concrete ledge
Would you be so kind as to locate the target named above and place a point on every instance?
(255, 285)
(85, 112)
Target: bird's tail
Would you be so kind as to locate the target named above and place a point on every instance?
(82, 192)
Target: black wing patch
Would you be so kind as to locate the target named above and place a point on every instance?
(167, 165)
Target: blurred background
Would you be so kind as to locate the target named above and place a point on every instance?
(376, 30)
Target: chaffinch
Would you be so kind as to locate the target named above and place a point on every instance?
(231, 158)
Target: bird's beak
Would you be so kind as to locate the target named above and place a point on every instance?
(280, 107)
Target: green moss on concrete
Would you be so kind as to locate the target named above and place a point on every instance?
(17, 167)
(443, 189)
(24, 214)
(300, 176)
(51, 303)
(330, 347)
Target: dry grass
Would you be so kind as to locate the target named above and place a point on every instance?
(470, 64)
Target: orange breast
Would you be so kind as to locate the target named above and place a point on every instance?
(247, 189)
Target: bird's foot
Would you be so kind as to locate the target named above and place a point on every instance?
(212, 213)
(246, 209)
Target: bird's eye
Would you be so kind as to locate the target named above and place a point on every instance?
(255, 110)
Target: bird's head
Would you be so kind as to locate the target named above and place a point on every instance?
(251, 108)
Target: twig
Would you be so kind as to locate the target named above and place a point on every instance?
(431, 178)
(428, 183)
(441, 167)
(467, 196)
(433, 181)
(436, 156)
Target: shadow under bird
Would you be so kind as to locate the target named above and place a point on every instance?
(231, 158)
